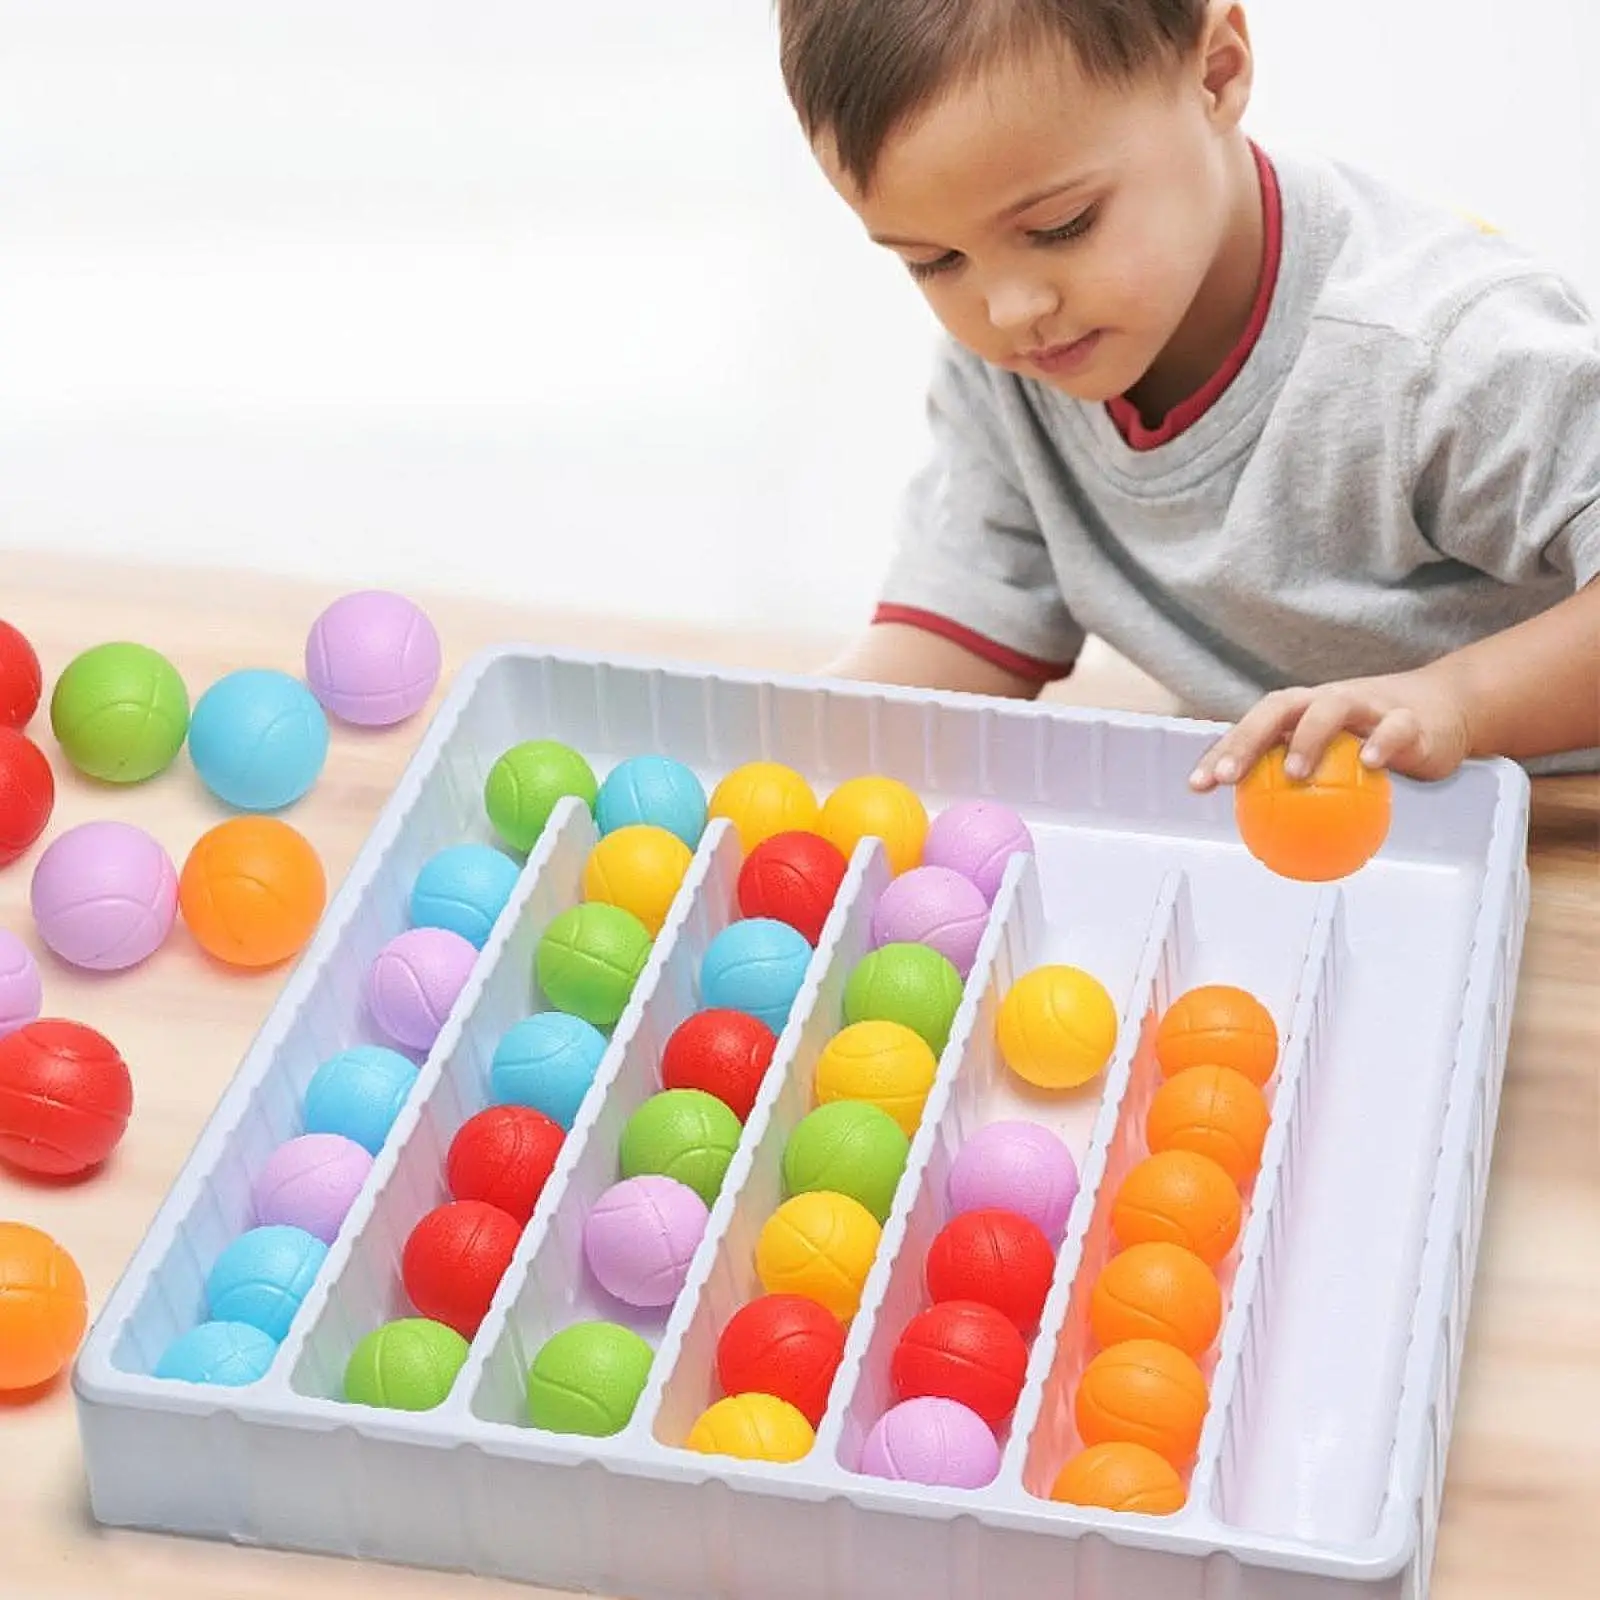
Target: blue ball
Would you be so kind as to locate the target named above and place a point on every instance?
(654, 790)
(359, 1093)
(263, 1276)
(227, 1353)
(258, 739)
(464, 889)
(756, 966)
(547, 1061)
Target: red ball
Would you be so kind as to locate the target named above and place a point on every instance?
(27, 794)
(21, 682)
(965, 1351)
(793, 878)
(65, 1098)
(454, 1261)
(996, 1257)
(504, 1157)
(783, 1345)
(721, 1053)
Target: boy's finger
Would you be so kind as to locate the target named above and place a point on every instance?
(1238, 750)
(1327, 715)
(1397, 732)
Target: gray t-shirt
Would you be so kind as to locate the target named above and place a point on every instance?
(1408, 460)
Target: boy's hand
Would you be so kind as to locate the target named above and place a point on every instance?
(1415, 723)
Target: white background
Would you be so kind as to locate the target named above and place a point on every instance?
(546, 300)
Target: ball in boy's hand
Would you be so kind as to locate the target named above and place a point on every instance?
(1319, 828)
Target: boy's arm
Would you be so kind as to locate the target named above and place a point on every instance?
(896, 653)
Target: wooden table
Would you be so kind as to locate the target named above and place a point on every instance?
(1524, 1481)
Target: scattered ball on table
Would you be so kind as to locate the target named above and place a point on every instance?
(227, 1355)
(640, 868)
(65, 1098)
(252, 891)
(359, 1093)
(528, 782)
(410, 1364)
(785, 1345)
(1057, 1027)
(933, 1441)
(720, 1052)
(640, 1237)
(263, 1277)
(1121, 1477)
(1020, 1167)
(104, 896)
(311, 1182)
(792, 878)
(464, 889)
(589, 960)
(977, 839)
(1179, 1198)
(1319, 828)
(682, 1134)
(884, 1064)
(752, 1427)
(258, 739)
(1143, 1391)
(763, 798)
(21, 682)
(757, 966)
(656, 791)
(504, 1156)
(1157, 1291)
(936, 907)
(415, 982)
(27, 794)
(877, 808)
(21, 989)
(964, 1351)
(1218, 1025)
(372, 658)
(120, 713)
(996, 1257)
(587, 1379)
(819, 1245)
(454, 1259)
(548, 1063)
(43, 1307)
(906, 983)
(848, 1147)
(1213, 1111)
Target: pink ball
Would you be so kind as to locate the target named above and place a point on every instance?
(641, 1236)
(1016, 1166)
(311, 1183)
(21, 993)
(932, 1441)
(936, 907)
(415, 982)
(977, 839)
(372, 658)
(104, 896)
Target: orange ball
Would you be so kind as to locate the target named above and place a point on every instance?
(1213, 1111)
(1157, 1291)
(1143, 1392)
(43, 1307)
(1179, 1198)
(252, 891)
(1319, 828)
(1218, 1025)
(1121, 1477)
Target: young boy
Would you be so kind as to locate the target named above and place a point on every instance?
(1314, 456)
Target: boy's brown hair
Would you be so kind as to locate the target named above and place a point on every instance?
(856, 69)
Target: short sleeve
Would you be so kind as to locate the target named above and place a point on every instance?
(1505, 439)
(970, 561)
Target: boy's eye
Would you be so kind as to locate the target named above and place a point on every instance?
(1073, 229)
(922, 270)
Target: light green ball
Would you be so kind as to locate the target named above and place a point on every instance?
(589, 959)
(911, 984)
(408, 1365)
(526, 783)
(120, 713)
(847, 1147)
(587, 1379)
(685, 1134)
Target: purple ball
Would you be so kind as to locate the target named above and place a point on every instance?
(936, 907)
(21, 993)
(1016, 1166)
(977, 839)
(415, 981)
(933, 1441)
(372, 658)
(311, 1183)
(641, 1236)
(104, 896)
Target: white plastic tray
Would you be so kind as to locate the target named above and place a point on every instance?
(1322, 1462)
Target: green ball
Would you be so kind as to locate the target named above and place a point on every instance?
(587, 1379)
(685, 1134)
(847, 1147)
(120, 713)
(589, 960)
(525, 784)
(408, 1365)
(907, 983)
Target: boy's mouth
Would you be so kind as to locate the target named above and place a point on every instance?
(1056, 359)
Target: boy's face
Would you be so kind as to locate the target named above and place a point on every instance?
(1066, 230)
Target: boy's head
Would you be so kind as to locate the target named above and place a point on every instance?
(1065, 179)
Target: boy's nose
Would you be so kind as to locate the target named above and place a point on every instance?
(1019, 304)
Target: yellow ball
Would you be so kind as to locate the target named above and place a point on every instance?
(753, 1427)
(640, 868)
(884, 1063)
(1057, 1027)
(819, 1245)
(762, 798)
(877, 808)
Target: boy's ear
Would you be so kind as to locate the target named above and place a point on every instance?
(1227, 63)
